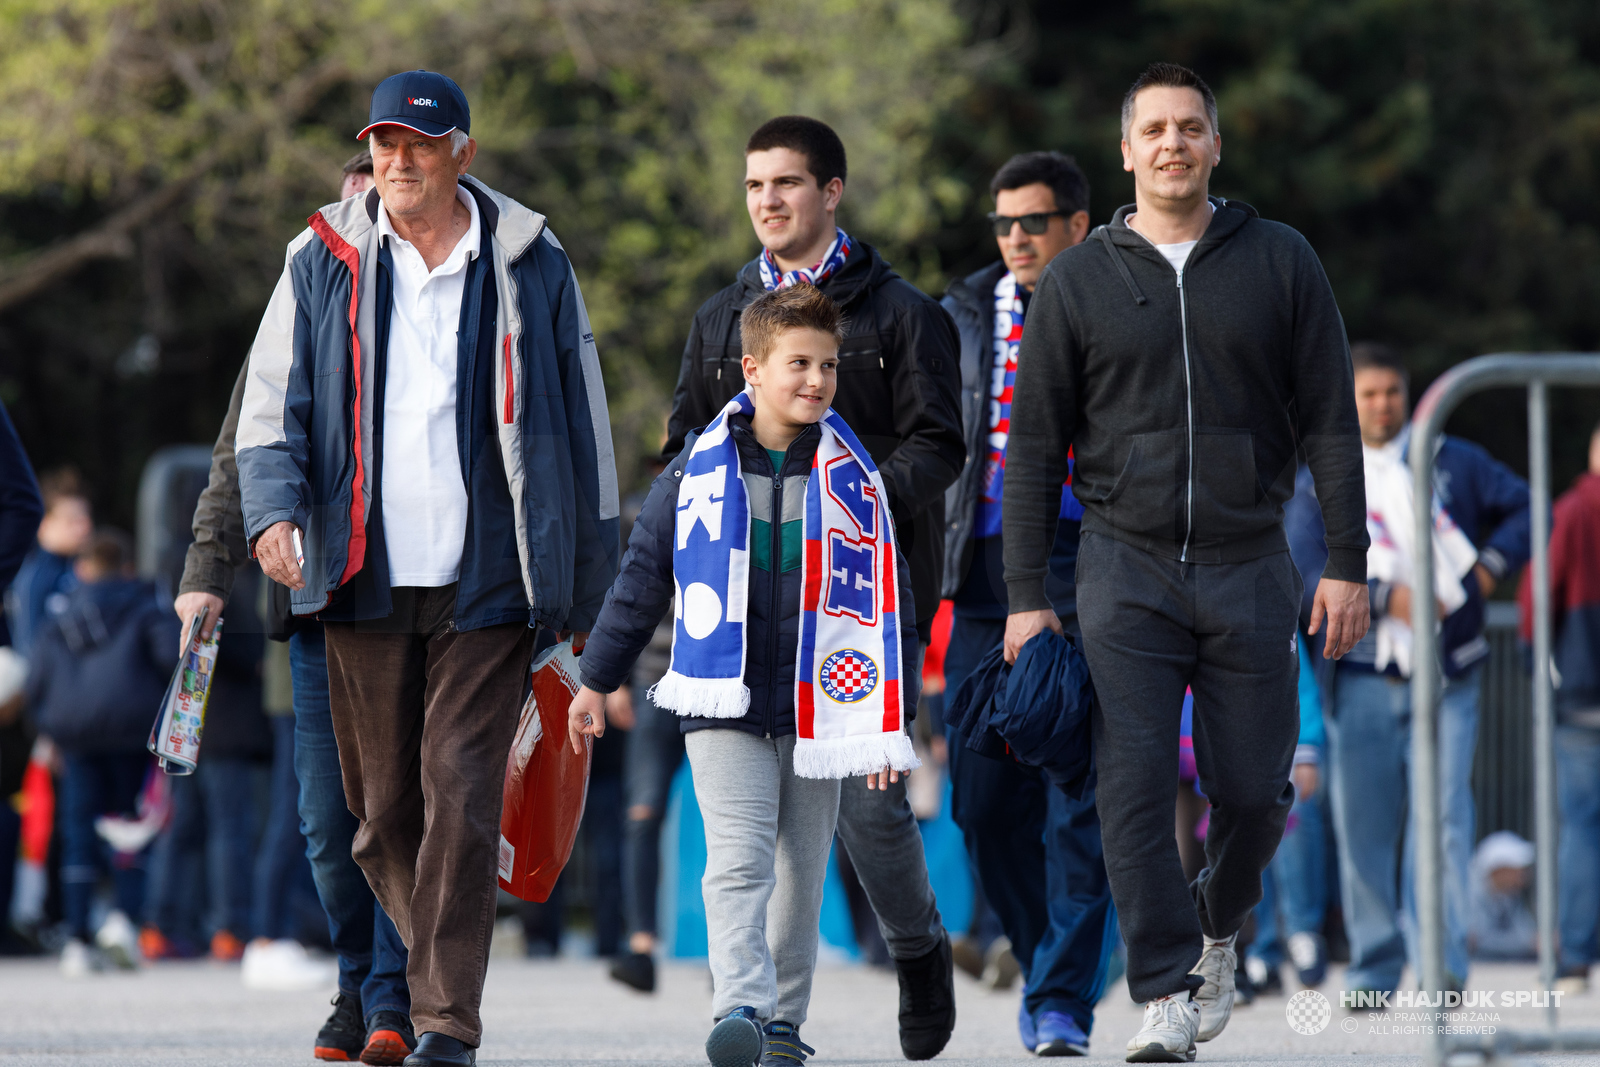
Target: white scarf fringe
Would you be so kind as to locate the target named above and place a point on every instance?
(710, 698)
(847, 757)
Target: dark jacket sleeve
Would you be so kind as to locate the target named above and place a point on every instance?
(1044, 420)
(1324, 408)
(691, 407)
(1503, 499)
(219, 543)
(926, 379)
(20, 506)
(642, 593)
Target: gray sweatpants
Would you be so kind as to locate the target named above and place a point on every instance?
(767, 839)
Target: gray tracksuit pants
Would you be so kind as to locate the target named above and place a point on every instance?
(767, 839)
(1152, 626)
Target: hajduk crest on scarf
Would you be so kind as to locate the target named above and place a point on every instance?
(774, 278)
(849, 718)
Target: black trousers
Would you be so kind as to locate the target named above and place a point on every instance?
(1152, 626)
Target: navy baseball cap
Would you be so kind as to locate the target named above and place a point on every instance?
(419, 100)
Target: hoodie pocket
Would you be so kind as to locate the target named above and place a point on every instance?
(1148, 496)
(1228, 498)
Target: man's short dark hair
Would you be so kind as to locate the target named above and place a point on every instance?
(63, 483)
(1375, 355)
(815, 140)
(1060, 172)
(360, 163)
(110, 551)
(1168, 76)
(799, 307)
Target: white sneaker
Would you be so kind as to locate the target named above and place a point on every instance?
(284, 965)
(1167, 1034)
(78, 960)
(119, 941)
(1217, 966)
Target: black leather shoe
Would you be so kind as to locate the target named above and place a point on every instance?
(927, 1002)
(441, 1050)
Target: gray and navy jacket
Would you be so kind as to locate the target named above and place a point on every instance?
(535, 440)
(643, 593)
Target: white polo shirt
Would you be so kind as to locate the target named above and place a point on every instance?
(424, 493)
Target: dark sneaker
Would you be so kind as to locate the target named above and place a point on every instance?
(343, 1036)
(441, 1050)
(1060, 1035)
(1310, 956)
(1265, 980)
(927, 1002)
(636, 970)
(783, 1047)
(736, 1040)
(390, 1039)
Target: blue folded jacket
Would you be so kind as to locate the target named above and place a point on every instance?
(1036, 711)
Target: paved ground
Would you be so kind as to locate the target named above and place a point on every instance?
(542, 1012)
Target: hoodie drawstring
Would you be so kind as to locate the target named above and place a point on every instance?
(1122, 268)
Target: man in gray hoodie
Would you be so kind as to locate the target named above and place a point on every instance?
(1186, 353)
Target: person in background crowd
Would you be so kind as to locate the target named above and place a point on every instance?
(40, 587)
(1369, 725)
(1182, 354)
(897, 390)
(436, 525)
(1035, 850)
(1499, 925)
(1294, 888)
(21, 508)
(97, 670)
(371, 1018)
(1575, 607)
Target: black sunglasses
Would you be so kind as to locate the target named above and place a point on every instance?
(1034, 223)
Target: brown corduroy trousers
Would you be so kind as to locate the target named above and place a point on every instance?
(424, 716)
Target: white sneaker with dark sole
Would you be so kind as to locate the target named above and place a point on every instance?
(1167, 1034)
(736, 1040)
(1218, 964)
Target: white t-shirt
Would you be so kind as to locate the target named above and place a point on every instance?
(424, 493)
(1177, 253)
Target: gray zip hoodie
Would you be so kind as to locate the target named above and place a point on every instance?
(1186, 399)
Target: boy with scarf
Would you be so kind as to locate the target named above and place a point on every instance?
(793, 659)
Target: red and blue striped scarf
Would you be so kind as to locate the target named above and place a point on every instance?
(774, 278)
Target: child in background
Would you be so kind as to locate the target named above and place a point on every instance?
(1499, 924)
(791, 666)
(96, 675)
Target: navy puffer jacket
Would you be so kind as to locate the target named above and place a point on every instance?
(642, 595)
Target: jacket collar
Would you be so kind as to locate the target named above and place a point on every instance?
(975, 292)
(863, 270)
(512, 226)
(1229, 217)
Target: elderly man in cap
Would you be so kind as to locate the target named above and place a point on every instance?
(425, 461)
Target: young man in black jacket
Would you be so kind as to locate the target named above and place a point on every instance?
(897, 390)
(1035, 850)
(1185, 353)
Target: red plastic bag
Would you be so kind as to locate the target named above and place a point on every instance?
(546, 782)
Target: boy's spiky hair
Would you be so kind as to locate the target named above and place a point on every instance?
(797, 307)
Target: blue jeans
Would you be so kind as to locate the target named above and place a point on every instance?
(1578, 858)
(1037, 855)
(95, 784)
(372, 958)
(281, 868)
(213, 829)
(1294, 889)
(1369, 748)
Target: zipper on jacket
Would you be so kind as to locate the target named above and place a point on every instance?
(775, 604)
(1188, 393)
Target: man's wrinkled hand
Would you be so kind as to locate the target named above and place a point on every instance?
(1346, 609)
(188, 605)
(275, 553)
(1024, 625)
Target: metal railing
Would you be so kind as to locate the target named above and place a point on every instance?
(1537, 372)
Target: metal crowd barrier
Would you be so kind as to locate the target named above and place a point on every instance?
(1537, 372)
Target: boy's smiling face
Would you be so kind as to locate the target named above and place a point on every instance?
(794, 385)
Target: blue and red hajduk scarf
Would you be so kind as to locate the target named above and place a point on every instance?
(773, 278)
(1008, 314)
(849, 714)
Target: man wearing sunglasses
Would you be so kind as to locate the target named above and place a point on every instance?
(1036, 851)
